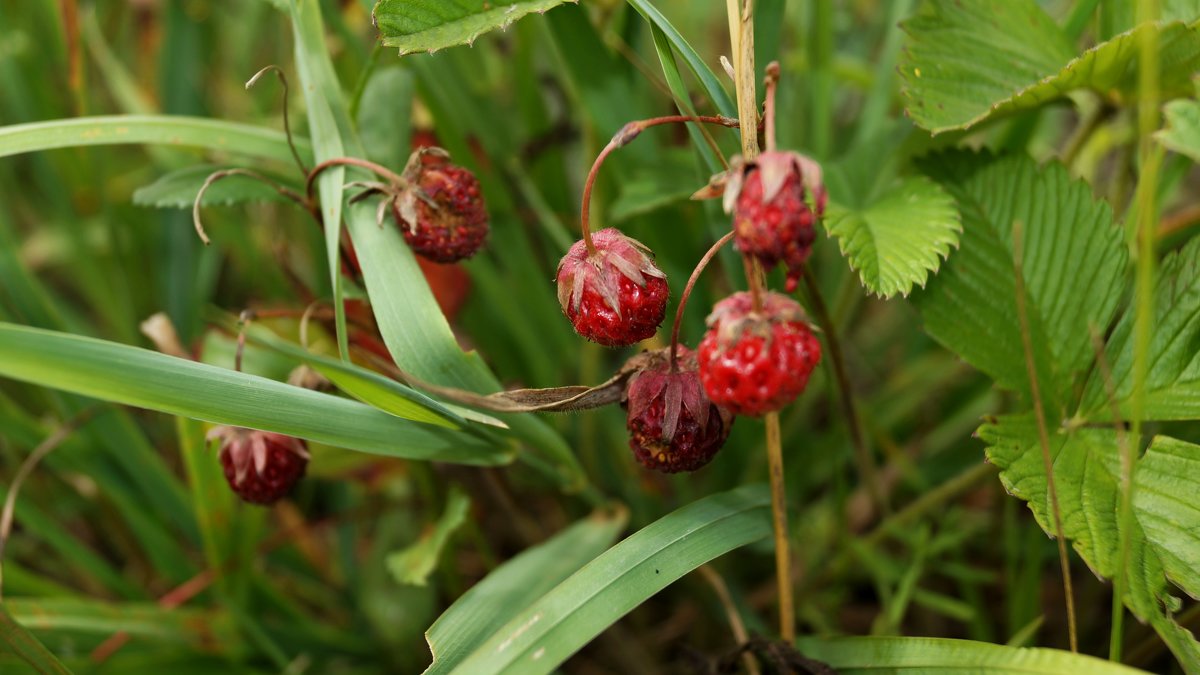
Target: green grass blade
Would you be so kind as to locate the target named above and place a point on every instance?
(147, 379)
(184, 626)
(546, 633)
(491, 603)
(23, 644)
(173, 130)
(708, 79)
(905, 655)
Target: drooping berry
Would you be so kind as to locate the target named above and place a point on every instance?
(443, 216)
(772, 219)
(672, 425)
(753, 362)
(260, 466)
(615, 296)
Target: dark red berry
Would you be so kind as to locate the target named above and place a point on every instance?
(615, 296)
(672, 425)
(756, 362)
(261, 467)
(444, 219)
(772, 219)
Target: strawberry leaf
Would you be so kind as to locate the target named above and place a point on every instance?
(899, 238)
(430, 25)
(1182, 134)
(1073, 260)
(1164, 543)
(967, 61)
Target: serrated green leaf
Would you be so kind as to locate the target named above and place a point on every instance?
(414, 564)
(911, 655)
(1173, 378)
(1073, 261)
(897, 240)
(491, 603)
(546, 633)
(1164, 542)
(178, 189)
(967, 61)
(1183, 128)
(139, 377)
(430, 25)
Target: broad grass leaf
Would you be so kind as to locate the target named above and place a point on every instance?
(543, 635)
(492, 602)
(911, 655)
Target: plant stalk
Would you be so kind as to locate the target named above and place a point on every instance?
(1039, 412)
(687, 293)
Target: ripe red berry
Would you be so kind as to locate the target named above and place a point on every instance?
(444, 218)
(261, 467)
(615, 295)
(772, 220)
(672, 425)
(755, 362)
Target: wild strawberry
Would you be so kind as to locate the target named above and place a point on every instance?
(755, 362)
(442, 215)
(772, 220)
(614, 295)
(261, 467)
(672, 425)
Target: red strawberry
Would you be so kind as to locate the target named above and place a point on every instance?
(772, 220)
(614, 295)
(261, 467)
(755, 362)
(672, 425)
(443, 216)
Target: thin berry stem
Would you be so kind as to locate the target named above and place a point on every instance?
(627, 133)
(243, 322)
(226, 173)
(867, 470)
(783, 557)
(687, 293)
(287, 127)
(772, 80)
(387, 173)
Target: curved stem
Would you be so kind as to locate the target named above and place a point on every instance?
(387, 173)
(225, 173)
(687, 292)
(287, 127)
(772, 80)
(862, 453)
(39, 453)
(627, 133)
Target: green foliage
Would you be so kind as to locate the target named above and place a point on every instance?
(178, 189)
(151, 380)
(515, 585)
(430, 25)
(1073, 262)
(1163, 543)
(968, 61)
(923, 655)
(898, 239)
(541, 636)
(1173, 380)
(415, 563)
(1183, 128)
